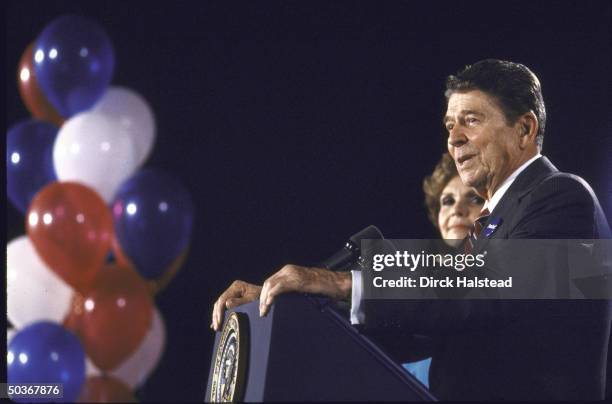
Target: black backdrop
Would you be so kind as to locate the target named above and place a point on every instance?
(295, 124)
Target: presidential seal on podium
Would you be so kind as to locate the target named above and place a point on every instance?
(230, 364)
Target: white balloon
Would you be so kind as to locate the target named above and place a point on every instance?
(90, 368)
(34, 292)
(135, 116)
(92, 149)
(135, 370)
(10, 333)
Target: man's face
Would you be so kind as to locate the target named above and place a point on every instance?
(485, 148)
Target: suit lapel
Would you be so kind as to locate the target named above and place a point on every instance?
(532, 176)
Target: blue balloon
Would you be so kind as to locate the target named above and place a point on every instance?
(153, 218)
(45, 352)
(29, 160)
(73, 62)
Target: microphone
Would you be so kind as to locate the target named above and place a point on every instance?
(351, 250)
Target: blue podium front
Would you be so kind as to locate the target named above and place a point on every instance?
(303, 350)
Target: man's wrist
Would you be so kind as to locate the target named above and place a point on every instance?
(336, 285)
(344, 283)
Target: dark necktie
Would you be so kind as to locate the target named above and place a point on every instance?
(475, 230)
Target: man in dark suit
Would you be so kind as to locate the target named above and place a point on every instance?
(493, 349)
(510, 349)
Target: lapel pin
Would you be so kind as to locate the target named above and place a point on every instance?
(492, 227)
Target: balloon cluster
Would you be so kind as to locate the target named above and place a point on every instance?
(104, 235)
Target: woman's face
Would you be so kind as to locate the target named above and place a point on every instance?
(459, 208)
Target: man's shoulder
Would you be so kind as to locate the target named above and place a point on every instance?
(560, 185)
(560, 205)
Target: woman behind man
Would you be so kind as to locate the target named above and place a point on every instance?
(451, 206)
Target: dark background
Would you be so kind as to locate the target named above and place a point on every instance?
(295, 124)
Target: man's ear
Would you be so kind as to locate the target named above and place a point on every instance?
(528, 125)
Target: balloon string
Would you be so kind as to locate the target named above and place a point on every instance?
(157, 285)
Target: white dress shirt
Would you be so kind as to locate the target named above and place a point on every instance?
(357, 314)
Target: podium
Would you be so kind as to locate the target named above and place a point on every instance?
(303, 350)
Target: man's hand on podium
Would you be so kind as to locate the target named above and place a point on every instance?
(291, 278)
(237, 294)
(294, 278)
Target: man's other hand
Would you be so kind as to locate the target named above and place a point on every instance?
(295, 278)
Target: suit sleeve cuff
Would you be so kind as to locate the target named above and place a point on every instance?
(357, 314)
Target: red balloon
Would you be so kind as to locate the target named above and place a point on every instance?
(105, 389)
(31, 94)
(71, 228)
(113, 317)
